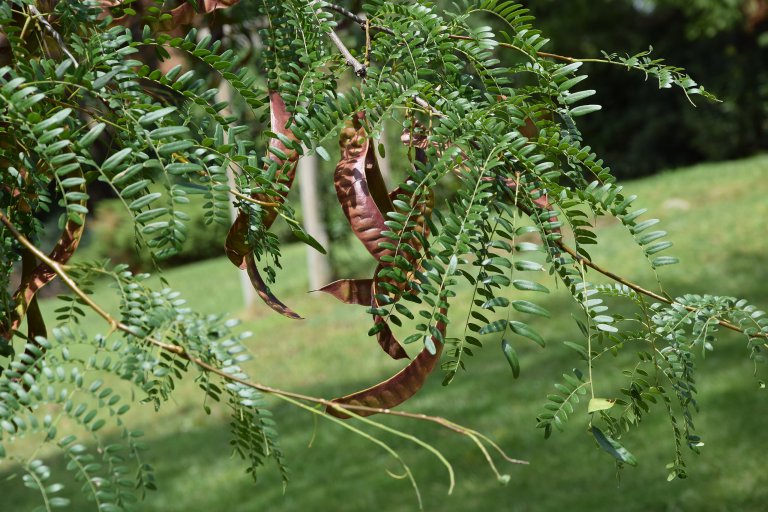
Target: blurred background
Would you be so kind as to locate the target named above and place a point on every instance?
(722, 44)
(701, 169)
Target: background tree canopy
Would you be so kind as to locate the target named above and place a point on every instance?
(497, 201)
(723, 44)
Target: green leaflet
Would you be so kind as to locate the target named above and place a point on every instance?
(613, 447)
(511, 355)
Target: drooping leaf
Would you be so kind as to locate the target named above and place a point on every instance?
(298, 231)
(613, 447)
(526, 331)
(511, 355)
(580, 349)
(525, 306)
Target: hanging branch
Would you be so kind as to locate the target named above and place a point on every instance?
(667, 75)
(489, 134)
(181, 352)
(426, 106)
(594, 266)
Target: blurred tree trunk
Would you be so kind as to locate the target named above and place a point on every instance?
(318, 265)
(384, 167)
(248, 291)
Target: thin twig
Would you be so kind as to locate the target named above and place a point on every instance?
(649, 293)
(357, 66)
(362, 22)
(56, 36)
(374, 440)
(358, 19)
(639, 289)
(249, 199)
(413, 439)
(578, 257)
(426, 106)
(572, 59)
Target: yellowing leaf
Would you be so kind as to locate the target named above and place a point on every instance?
(600, 404)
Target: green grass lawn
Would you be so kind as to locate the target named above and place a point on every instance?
(714, 214)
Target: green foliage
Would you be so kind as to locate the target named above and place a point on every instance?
(526, 186)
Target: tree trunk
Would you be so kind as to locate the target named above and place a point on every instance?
(318, 266)
(249, 293)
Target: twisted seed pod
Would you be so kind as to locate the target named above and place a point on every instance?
(236, 245)
(398, 388)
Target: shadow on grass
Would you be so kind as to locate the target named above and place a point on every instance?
(341, 471)
(344, 472)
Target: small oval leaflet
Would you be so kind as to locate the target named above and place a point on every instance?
(511, 355)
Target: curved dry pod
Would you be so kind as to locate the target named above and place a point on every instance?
(350, 291)
(398, 388)
(236, 245)
(365, 201)
(360, 291)
(353, 191)
(264, 292)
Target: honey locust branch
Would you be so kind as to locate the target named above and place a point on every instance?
(724, 323)
(179, 351)
(363, 22)
(639, 289)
